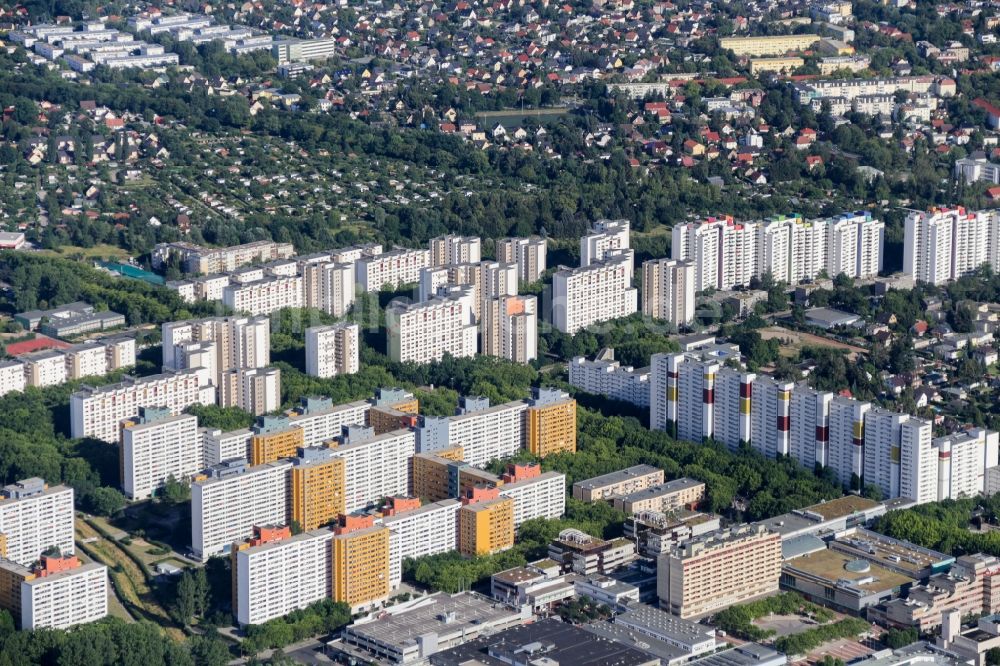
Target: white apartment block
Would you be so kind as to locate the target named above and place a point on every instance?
(727, 254)
(11, 376)
(496, 280)
(542, 496)
(488, 433)
(810, 427)
(198, 259)
(606, 236)
(231, 498)
(86, 360)
(845, 91)
(425, 332)
(770, 416)
(321, 420)
(509, 328)
(254, 390)
(682, 390)
(264, 296)
(119, 352)
(947, 243)
(156, 446)
(332, 350)
(44, 368)
(595, 293)
(391, 269)
(847, 438)
(353, 253)
(450, 250)
(606, 376)
(218, 446)
(949, 467)
(733, 390)
(488, 279)
(723, 252)
(35, 517)
(918, 463)
(431, 529)
(883, 435)
(963, 458)
(432, 279)
(977, 168)
(528, 253)
(792, 248)
(64, 599)
(668, 291)
(277, 577)
(238, 342)
(329, 286)
(376, 467)
(96, 412)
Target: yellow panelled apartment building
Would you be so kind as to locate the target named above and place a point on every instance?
(317, 488)
(274, 438)
(551, 422)
(485, 522)
(768, 46)
(360, 562)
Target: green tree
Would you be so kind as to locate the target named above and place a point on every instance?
(899, 638)
(174, 491)
(185, 599)
(209, 651)
(105, 501)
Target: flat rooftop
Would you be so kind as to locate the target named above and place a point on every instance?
(662, 490)
(662, 623)
(620, 476)
(404, 625)
(749, 654)
(921, 652)
(915, 560)
(517, 575)
(842, 506)
(627, 637)
(831, 566)
(550, 639)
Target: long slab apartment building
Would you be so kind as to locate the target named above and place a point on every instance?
(944, 244)
(727, 254)
(697, 396)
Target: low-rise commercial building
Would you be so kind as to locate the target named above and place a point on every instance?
(578, 552)
(842, 582)
(413, 631)
(656, 533)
